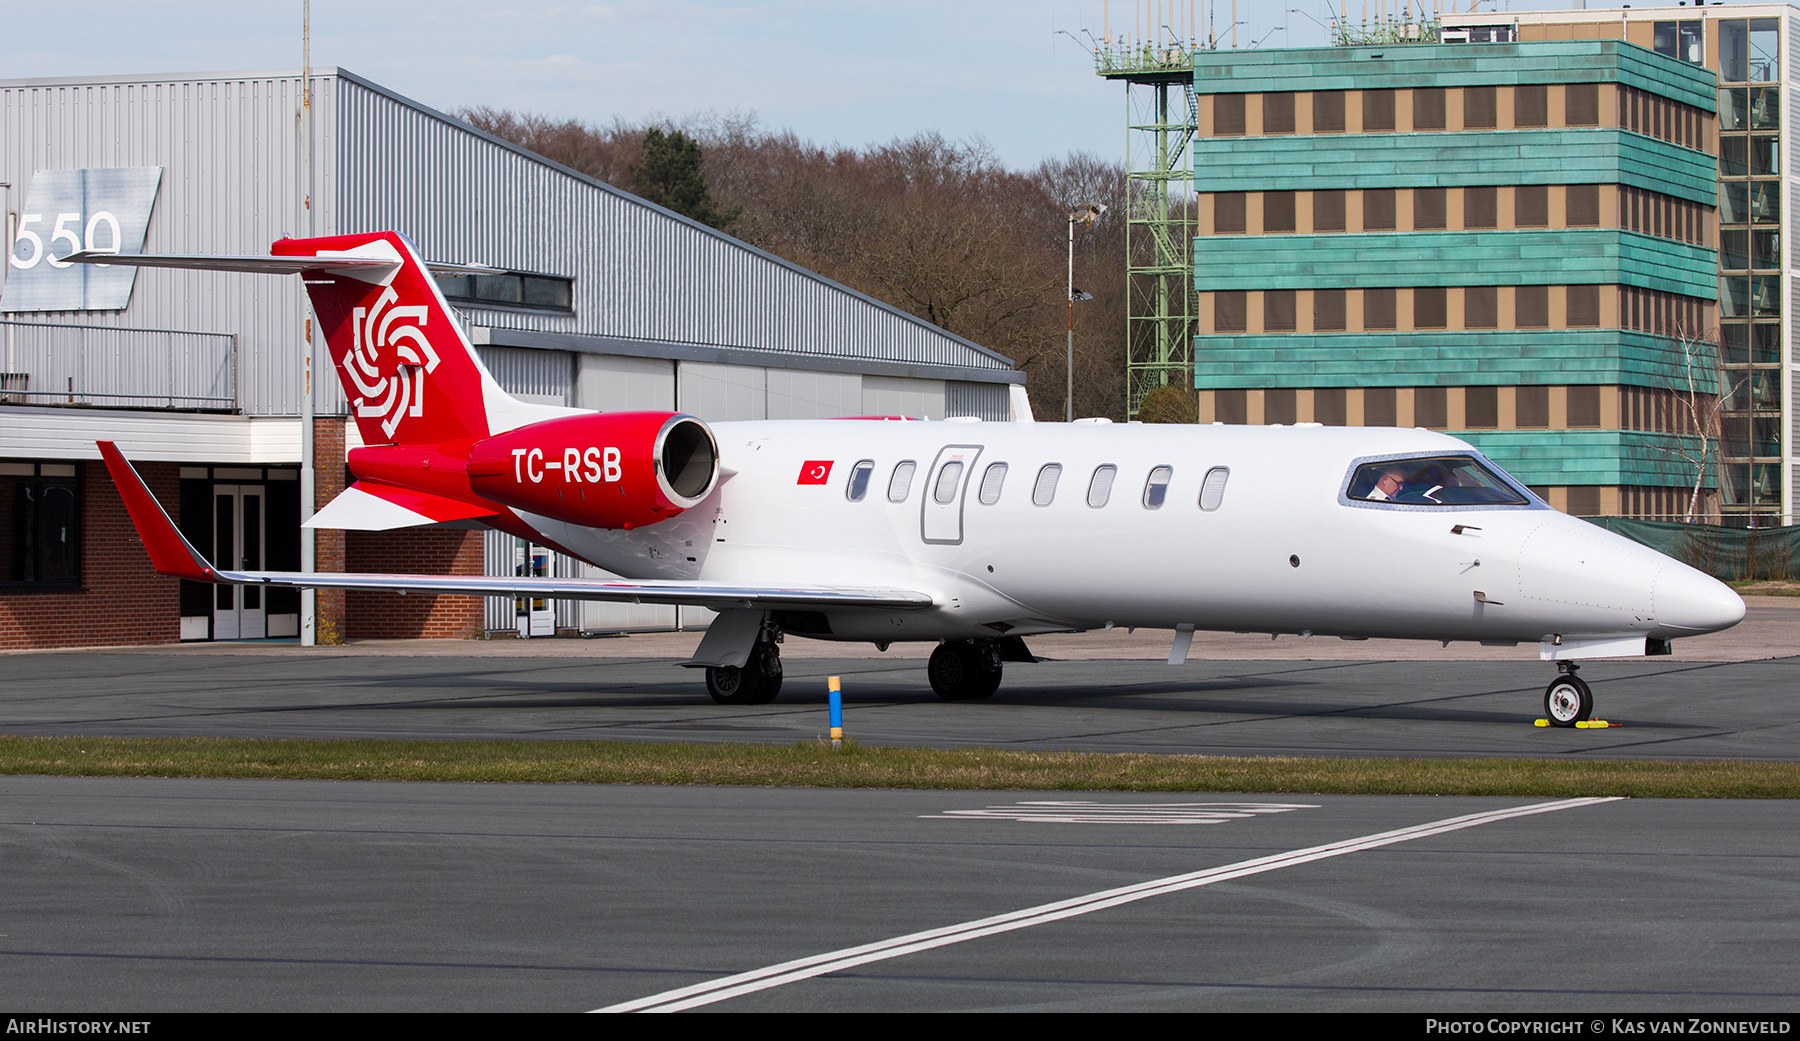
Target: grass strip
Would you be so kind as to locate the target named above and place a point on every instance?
(865, 766)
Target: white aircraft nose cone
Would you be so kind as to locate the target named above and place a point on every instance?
(1689, 600)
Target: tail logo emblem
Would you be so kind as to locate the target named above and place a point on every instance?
(400, 331)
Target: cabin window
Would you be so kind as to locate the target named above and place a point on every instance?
(991, 482)
(1157, 487)
(1441, 481)
(859, 481)
(1100, 485)
(1212, 490)
(1045, 490)
(947, 480)
(900, 485)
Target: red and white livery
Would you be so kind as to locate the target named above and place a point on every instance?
(965, 533)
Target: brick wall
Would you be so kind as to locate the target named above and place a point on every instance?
(329, 476)
(415, 615)
(121, 600)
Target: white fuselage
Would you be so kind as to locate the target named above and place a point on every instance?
(1284, 551)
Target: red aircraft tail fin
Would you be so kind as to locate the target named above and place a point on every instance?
(170, 552)
(410, 374)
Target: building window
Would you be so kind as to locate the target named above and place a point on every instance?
(1582, 205)
(1681, 40)
(1750, 51)
(1378, 209)
(1377, 110)
(1278, 211)
(1430, 212)
(1533, 310)
(1531, 106)
(1231, 406)
(1378, 309)
(1428, 108)
(1481, 307)
(510, 289)
(1228, 214)
(1429, 310)
(1328, 112)
(1229, 307)
(1280, 405)
(1278, 310)
(1531, 206)
(1581, 104)
(1278, 113)
(1584, 307)
(1228, 115)
(1481, 207)
(1533, 407)
(1331, 406)
(1328, 211)
(1584, 406)
(1481, 407)
(1329, 311)
(1379, 407)
(1431, 407)
(1584, 500)
(40, 524)
(1480, 108)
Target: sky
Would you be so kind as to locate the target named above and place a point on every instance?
(1016, 74)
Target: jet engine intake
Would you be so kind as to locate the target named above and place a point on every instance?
(605, 470)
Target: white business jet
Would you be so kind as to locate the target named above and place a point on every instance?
(969, 534)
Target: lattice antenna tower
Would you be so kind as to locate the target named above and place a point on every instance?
(1157, 66)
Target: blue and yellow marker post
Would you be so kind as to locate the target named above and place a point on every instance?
(837, 712)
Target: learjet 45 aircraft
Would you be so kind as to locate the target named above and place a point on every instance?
(966, 533)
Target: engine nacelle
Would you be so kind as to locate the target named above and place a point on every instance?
(605, 470)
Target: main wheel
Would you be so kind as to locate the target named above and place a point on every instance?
(730, 685)
(1567, 701)
(756, 683)
(963, 671)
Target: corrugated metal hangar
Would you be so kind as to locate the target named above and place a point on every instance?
(599, 300)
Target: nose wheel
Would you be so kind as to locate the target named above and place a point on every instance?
(1567, 700)
(965, 670)
(756, 683)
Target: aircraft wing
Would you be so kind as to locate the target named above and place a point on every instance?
(172, 554)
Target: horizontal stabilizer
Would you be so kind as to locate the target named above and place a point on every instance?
(372, 506)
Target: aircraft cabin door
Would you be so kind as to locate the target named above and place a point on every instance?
(942, 522)
(537, 615)
(239, 612)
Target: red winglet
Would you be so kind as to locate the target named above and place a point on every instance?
(170, 553)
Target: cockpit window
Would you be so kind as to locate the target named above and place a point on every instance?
(1443, 481)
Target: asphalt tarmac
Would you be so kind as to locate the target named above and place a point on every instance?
(137, 895)
(1666, 709)
(165, 895)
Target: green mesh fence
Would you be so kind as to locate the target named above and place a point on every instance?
(1731, 554)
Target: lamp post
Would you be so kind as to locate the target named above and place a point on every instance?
(1087, 214)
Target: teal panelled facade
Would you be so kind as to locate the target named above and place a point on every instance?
(1572, 256)
(1623, 457)
(1537, 256)
(1454, 159)
(1438, 359)
(1452, 65)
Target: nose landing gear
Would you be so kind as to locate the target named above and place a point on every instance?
(1568, 701)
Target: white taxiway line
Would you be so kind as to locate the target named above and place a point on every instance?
(836, 961)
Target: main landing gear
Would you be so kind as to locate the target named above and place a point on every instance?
(965, 670)
(756, 683)
(1568, 701)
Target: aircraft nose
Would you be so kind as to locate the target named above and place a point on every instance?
(1695, 602)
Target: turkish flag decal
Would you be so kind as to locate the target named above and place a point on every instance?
(815, 471)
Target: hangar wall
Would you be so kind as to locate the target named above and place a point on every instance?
(660, 312)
